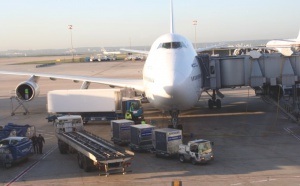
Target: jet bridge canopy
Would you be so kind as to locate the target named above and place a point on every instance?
(234, 71)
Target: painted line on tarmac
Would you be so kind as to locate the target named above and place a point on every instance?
(288, 130)
(30, 167)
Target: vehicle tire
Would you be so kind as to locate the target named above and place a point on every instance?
(210, 104)
(7, 165)
(63, 147)
(218, 103)
(194, 162)
(179, 127)
(80, 160)
(181, 158)
(86, 164)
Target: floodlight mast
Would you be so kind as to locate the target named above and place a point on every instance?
(72, 49)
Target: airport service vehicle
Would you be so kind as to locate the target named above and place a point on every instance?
(166, 141)
(94, 104)
(17, 130)
(92, 151)
(107, 58)
(196, 151)
(141, 137)
(14, 149)
(120, 130)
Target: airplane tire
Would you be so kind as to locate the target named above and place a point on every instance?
(218, 103)
(210, 104)
(179, 127)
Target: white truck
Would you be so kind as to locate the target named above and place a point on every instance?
(93, 104)
(92, 151)
(196, 151)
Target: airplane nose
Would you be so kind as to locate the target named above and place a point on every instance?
(175, 83)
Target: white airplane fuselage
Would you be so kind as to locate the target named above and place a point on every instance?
(172, 77)
(281, 44)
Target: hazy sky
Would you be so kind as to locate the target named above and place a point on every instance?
(41, 24)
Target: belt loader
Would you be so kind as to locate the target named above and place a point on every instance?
(92, 151)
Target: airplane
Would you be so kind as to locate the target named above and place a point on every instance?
(172, 77)
(285, 46)
(109, 53)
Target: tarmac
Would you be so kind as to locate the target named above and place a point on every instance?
(253, 143)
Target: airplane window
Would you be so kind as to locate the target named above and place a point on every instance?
(170, 45)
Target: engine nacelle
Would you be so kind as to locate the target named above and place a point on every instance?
(27, 90)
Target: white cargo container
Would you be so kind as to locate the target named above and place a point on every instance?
(166, 141)
(141, 137)
(120, 130)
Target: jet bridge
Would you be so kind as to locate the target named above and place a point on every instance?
(271, 75)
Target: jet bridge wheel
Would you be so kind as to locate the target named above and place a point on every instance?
(212, 103)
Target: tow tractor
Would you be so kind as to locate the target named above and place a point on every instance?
(197, 151)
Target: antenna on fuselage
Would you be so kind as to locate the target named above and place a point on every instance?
(171, 17)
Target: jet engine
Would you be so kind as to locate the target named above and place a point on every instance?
(27, 90)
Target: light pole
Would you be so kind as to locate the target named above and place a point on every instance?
(195, 24)
(72, 50)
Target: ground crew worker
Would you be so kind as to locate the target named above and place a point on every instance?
(40, 142)
(128, 116)
(131, 107)
(34, 143)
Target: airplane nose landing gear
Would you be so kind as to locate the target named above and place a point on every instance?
(174, 120)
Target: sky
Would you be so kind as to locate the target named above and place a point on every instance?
(41, 24)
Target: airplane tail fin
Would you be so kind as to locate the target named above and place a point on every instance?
(103, 49)
(298, 38)
(171, 17)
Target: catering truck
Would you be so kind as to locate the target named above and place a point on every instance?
(92, 151)
(94, 104)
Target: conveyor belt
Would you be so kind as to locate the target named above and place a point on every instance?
(100, 148)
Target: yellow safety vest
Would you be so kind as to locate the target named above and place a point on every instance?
(128, 115)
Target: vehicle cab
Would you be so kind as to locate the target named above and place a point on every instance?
(196, 151)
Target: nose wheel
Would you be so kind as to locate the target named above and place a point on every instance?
(213, 102)
(174, 120)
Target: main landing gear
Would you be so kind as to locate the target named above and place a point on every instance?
(174, 120)
(213, 101)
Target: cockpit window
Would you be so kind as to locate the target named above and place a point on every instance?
(170, 45)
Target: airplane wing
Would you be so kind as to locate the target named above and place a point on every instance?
(210, 47)
(135, 51)
(197, 50)
(137, 84)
